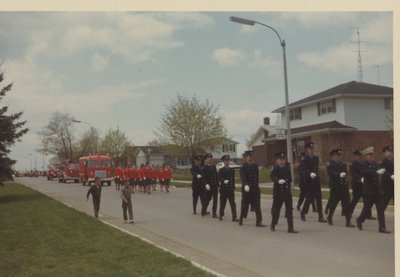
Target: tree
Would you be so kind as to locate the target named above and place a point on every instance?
(191, 126)
(57, 137)
(89, 143)
(11, 131)
(115, 144)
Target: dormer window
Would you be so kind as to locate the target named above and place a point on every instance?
(327, 107)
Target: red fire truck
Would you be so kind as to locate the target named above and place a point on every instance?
(95, 166)
(51, 173)
(70, 173)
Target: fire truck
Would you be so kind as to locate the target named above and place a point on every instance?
(70, 173)
(51, 173)
(95, 166)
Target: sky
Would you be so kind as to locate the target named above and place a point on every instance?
(121, 69)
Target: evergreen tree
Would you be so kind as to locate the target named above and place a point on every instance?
(11, 130)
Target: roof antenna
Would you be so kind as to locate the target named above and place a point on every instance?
(360, 77)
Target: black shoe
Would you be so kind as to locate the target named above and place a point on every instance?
(323, 220)
(293, 231)
(235, 220)
(194, 212)
(215, 216)
(350, 225)
(240, 222)
(260, 225)
(359, 224)
(384, 230)
(220, 218)
(272, 228)
(371, 217)
(330, 221)
(303, 217)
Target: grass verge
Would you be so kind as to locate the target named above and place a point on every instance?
(42, 237)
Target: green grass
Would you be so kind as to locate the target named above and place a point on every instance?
(42, 237)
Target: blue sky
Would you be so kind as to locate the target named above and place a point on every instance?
(121, 68)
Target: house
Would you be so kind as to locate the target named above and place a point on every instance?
(350, 116)
(226, 147)
(150, 154)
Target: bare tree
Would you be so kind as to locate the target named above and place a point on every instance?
(89, 143)
(57, 137)
(115, 145)
(191, 126)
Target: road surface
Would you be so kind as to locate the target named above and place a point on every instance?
(228, 249)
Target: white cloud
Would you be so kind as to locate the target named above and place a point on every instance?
(99, 62)
(227, 56)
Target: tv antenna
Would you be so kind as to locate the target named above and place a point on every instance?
(359, 62)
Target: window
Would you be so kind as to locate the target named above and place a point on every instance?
(182, 161)
(388, 103)
(295, 114)
(327, 107)
(232, 147)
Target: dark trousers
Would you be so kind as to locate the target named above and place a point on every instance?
(369, 201)
(127, 207)
(344, 198)
(230, 196)
(212, 194)
(357, 194)
(196, 194)
(313, 194)
(388, 194)
(254, 199)
(96, 206)
(276, 209)
(302, 196)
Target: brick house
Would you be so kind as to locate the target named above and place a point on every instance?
(350, 116)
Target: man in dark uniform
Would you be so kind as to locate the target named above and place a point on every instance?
(95, 190)
(197, 183)
(211, 184)
(310, 169)
(250, 188)
(356, 175)
(372, 192)
(337, 172)
(302, 186)
(280, 175)
(388, 176)
(226, 177)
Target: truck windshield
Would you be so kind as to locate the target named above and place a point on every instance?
(99, 163)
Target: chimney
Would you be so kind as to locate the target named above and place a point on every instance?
(266, 120)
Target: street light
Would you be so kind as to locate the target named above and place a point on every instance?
(283, 44)
(91, 128)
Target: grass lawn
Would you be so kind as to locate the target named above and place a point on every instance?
(42, 237)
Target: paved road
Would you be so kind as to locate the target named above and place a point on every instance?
(232, 250)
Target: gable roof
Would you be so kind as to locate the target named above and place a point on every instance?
(150, 150)
(352, 88)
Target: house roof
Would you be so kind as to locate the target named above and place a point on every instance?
(320, 127)
(352, 88)
(151, 150)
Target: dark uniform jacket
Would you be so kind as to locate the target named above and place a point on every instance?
(226, 173)
(355, 170)
(197, 183)
(95, 190)
(338, 185)
(249, 176)
(388, 165)
(310, 164)
(278, 173)
(371, 181)
(211, 176)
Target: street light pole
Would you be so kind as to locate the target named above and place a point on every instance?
(91, 129)
(287, 111)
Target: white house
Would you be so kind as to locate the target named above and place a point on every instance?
(351, 115)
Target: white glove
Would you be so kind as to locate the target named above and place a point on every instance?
(313, 175)
(381, 171)
(392, 177)
(281, 181)
(362, 180)
(198, 176)
(226, 181)
(342, 174)
(208, 187)
(246, 188)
